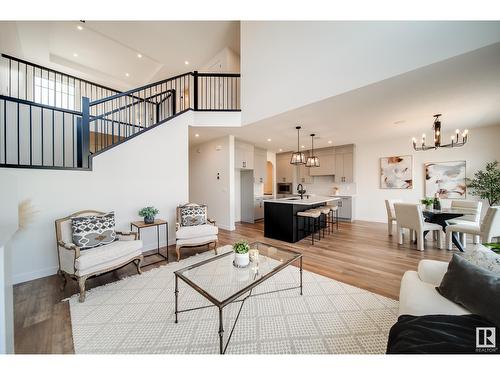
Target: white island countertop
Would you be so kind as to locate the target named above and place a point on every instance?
(317, 199)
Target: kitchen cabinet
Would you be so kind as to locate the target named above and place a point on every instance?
(244, 155)
(258, 208)
(344, 164)
(345, 207)
(326, 162)
(304, 173)
(259, 168)
(284, 170)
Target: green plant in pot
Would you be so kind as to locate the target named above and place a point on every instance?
(486, 183)
(427, 202)
(241, 256)
(149, 214)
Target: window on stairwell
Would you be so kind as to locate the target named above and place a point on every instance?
(55, 91)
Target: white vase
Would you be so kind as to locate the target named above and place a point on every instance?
(241, 260)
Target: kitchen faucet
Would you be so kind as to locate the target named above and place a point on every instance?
(301, 191)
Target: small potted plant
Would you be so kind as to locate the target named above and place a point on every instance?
(241, 256)
(149, 214)
(428, 203)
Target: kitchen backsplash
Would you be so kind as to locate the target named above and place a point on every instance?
(323, 185)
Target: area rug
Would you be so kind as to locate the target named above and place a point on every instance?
(136, 315)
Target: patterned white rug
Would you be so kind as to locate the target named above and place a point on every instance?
(136, 315)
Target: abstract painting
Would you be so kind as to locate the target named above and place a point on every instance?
(396, 172)
(445, 178)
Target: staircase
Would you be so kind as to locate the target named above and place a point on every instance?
(51, 120)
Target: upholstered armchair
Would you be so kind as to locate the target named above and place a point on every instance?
(80, 264)
(194, 228)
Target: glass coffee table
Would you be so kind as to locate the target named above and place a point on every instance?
(221, 283)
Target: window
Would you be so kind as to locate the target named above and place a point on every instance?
(55, 92)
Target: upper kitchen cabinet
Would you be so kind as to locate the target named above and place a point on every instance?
(284, 170)
(244, 155)
(326, 162)
(260, 163)
(304, 175)
(344, 164)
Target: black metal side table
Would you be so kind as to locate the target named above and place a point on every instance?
(157, 223)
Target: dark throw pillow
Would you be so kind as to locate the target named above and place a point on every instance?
(473, 287)
(93, 231)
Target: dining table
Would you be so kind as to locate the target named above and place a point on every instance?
(442, 216)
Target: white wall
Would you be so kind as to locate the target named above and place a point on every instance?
(225, 61)
(482, 147)
(8, 226)
(151, 169)
(285, 65)
(206, 162)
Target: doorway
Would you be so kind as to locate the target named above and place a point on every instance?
(269, 182)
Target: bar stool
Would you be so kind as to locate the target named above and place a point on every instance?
(323, 218)
(334, 213)
(311, 216)
(326, 211)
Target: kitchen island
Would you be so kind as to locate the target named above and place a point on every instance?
(280, 221)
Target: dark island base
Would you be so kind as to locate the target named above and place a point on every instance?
(280, 221)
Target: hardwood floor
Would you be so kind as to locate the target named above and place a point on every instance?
(360, 254)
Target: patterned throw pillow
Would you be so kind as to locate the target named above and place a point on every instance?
(193, 215)
(93, 231)
(484, 258)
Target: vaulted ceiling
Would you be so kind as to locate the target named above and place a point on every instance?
(120, 54)
(465, 89)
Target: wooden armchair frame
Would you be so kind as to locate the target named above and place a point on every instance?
(178, 225)
(65, 246)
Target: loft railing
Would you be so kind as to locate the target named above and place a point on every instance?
(37, 135)
(49, 119)
(22, 79)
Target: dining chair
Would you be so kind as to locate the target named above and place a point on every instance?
(391, 215)
(409, 216)
(467, 219)
(488, 229)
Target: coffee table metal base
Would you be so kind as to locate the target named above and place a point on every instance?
(222, 347)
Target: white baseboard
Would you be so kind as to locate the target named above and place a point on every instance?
(28, 276)
(226, 227)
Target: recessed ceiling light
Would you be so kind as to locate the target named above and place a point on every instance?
(329, 142)
(139, 55)
(281, 149)
(303, 146)
(186, 62)
(127, 75)
(79, 27)
(269, 139)
(197, 135)
(75, 54)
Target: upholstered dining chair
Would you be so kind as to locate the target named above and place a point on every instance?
(409, 216)
(488, 229)
(467, 219)
(391, 215)
(194, 228)
(80, 263)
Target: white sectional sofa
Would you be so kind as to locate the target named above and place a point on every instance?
(418, 295)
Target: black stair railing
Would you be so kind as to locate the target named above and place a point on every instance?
(49, 119)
